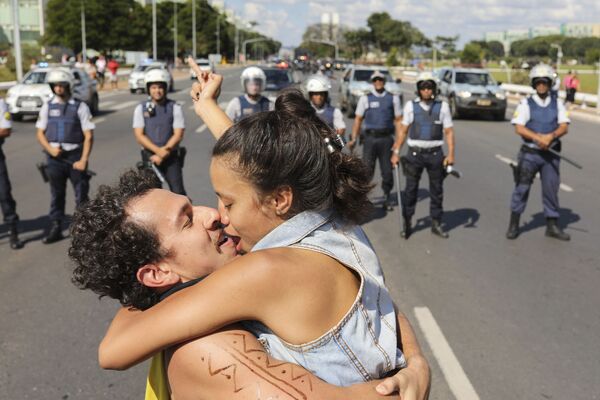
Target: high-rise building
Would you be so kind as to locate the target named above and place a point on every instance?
(31, 19)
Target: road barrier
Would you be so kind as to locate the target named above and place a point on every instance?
(586, 99)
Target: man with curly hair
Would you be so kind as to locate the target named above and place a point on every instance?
(138, 244)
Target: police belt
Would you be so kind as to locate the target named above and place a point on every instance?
(425, 150)
(556, 146)
(379, 132)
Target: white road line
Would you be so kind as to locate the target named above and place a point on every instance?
(201, 128)
(121, 106)
(455, 376)
(98, 120)
(506, 160)
(105, 104)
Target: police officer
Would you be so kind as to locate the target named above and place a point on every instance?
(540, 120)
(381, 112)
(318, 87)
(158, 127)
(7, 202)
(427, 121)
(65, 131)
(253, 81)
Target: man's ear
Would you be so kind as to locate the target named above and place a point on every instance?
(281, 200)
(152, 275)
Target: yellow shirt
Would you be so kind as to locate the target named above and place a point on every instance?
(157, 384)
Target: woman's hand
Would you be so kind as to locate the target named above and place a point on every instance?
(412, 382)
(208, 85)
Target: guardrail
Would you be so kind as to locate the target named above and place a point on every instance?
(586, 99)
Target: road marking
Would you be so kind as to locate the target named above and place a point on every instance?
(98, 120)
(105, 104)
(506, 160)
(201, 128)
(455, 376)
(124, 105)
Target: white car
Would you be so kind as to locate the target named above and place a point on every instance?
(136, 78)
(27, 96)
(205, 65)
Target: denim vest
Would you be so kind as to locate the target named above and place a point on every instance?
(326, 114)
(247, 108)
(64, 125)
(362, 346)
(426, 124)
(379, 114)
(159, 127)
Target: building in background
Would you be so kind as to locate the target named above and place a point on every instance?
(569, 29)
(31, 20)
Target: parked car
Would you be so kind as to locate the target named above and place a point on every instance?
(136, 78)
(472, 90)
(340, 65)
(205, 65)
(356, 82)
(28, 96)
(277, 80)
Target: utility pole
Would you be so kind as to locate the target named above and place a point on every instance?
(154, 30)
(219, 32)
(237, 40)
(17, 39)
(175, 34)
(194, 29)
(598, 92)
(83, 42)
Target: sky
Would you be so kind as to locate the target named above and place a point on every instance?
(286, 20)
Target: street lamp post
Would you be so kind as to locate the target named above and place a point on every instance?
(598, 92)
(245, 42)
(559, 55)
(83, 41)
(154, 30)
(194, 29)
(17, 39)
(175, 34)
(218, 33)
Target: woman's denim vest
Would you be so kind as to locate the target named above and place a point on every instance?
(362, 346)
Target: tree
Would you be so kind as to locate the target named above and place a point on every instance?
(495, 50)
(357, 42)
(472, 54)
(447, 44)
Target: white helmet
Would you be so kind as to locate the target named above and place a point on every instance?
(157, 75)
(542, 71)
(253, 74)
(60, 75)
(317, 83)
(426, 76)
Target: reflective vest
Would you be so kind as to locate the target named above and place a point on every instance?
(247, 108)
(542, 119)
(427, 124)
(158, 125)
(326, 114)
(379, 114)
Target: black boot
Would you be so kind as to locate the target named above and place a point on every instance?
(554, 231)
(436, 229)
(15, 243)
(55, 233)
(513, 226)
(406, 228)
(387, 202)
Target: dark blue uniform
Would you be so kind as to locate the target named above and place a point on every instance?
(532, 160)
(379, 131)
(425, 126)
(247, 108)
(63, 127)
(7, 202)
(158, 127)
(327, 115)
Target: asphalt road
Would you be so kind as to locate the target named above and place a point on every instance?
(497, 319)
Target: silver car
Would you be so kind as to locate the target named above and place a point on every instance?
(27, 96)
(472, 90)
(205, 65)
(136, 77)
(356, 82)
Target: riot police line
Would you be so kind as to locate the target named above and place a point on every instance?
(382, 123)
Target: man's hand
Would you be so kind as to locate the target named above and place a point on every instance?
(54, 151)
(80, 165)
(411, 382)
(163, 152)
(156, 159)
(352, 144)
(448, 160)
(544, 141)
(395, 159)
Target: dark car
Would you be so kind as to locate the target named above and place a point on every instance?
(277, 80)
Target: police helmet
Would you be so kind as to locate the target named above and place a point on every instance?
(60, 75)
(542, 72)
(156, 75)
(253, 74)
(377, 75)
(317, 84)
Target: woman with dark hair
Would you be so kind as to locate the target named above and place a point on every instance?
(311, 284)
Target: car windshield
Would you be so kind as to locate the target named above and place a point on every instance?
(35, 77)
(202, 62)
(364, 75)
(277, 76)
(141, 68)
(473, 78)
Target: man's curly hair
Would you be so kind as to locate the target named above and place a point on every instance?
(108, 248)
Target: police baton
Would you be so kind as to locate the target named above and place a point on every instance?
(159, 175)
(568, 160)
(400, 208)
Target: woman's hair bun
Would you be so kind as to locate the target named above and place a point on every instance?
(292, 102)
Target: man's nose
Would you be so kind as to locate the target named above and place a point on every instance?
(211, 219)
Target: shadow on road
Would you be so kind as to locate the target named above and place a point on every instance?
(38, 225)
(379, 212)
(465, 217)
(538, 220)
